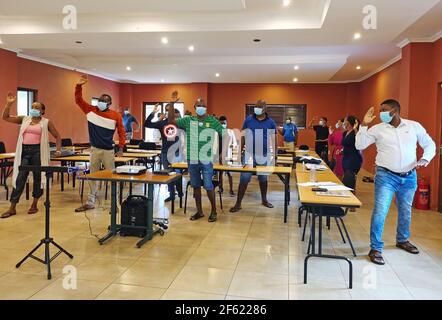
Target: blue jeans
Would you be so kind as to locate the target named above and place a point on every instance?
(245, 177)
(387, 184)
(171, 186)
(195, 172)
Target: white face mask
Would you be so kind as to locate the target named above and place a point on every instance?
(102, 105)
(288, 121)
(321, 123)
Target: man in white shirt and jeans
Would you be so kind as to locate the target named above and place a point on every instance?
(396, 164)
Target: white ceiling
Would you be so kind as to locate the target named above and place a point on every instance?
(317, 35)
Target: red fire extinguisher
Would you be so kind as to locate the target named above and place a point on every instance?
(422, 196)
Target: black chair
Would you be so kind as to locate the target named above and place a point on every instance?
(148, 162)
(135, 141)
(66, 142)
(336, 213)
(216, 184)
(6, 169)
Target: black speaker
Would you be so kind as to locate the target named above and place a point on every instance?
(134, 213)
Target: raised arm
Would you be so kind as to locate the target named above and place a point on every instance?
(170, 112)
(148, 122)
(310, 125)
(364, 137)
(86, 107)
(10, 99)
(55, 134)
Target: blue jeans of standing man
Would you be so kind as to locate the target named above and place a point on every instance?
(387, 184)
(171, 186)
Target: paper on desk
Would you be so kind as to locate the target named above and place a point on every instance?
(318, 167)
(335, 193)
(338, 188)
(317, 184)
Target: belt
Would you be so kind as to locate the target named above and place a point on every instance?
(403, 174)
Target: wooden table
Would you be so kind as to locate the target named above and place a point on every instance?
(4, 171)
(147, 178)
(85, 158)
(157, 152)
(283, 174)
(317, 205)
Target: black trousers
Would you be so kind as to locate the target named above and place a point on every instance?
(321, 149)
(30, 155)
(349, 179)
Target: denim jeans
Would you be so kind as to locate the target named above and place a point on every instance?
(196, 170)
(387, 184)
(171, 186)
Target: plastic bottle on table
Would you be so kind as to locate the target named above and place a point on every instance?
(313, 174)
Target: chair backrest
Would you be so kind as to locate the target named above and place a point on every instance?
(2, 147)
(148, 145)
(66, 142)
(52, 144)
(135, 141)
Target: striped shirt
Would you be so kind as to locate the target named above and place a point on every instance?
(200, 136)
(101, 124)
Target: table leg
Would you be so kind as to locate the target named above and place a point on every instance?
(113, 226)
(149, 224)
(320, 232)
(313, 235)
(63, 163)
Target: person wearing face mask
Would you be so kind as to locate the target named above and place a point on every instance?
(232, 144)
(201, 133)
(259, 141)
(335, 142)
(290, 133)
(165, 128)
(128, 121)
(322, 133)
(32, 149)
(396, 141)
(102, 123)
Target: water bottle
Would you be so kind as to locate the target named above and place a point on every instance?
(313, 174)
(303, 167)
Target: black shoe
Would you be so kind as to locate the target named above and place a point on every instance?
(169, 199)
(213, 217)
(197, 216)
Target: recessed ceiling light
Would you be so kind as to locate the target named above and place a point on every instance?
(357, 36)
(164, 40)
(358, 68)
(295, 79)
(162, 80)
(217, 75)
(128, 68)
(191, 48)
(1, 41)
(257, 40)
(296, 67)
(286, 3)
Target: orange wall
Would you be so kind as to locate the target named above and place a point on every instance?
(8, 83)
(56, 90)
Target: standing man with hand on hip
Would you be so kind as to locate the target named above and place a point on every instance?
(128, 121)
(321, 140)
(102, 123)
(396, 164)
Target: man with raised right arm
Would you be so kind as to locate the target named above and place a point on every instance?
(396, 140)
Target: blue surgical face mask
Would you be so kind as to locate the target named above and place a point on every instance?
(224, 125)
(337, 126)
(258, 111)
(344, 127)
(201, 111)
(386, 117)
(126, 112)
(102, 105)
(34, 113)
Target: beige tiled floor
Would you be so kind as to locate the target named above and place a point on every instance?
(248, 255)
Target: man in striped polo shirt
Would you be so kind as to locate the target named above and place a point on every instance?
(102, 123)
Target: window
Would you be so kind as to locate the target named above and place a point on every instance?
(25, 99)
(153, 135)
(279, 112)
(94, 102)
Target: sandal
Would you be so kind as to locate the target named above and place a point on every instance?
(267, 204)
(232, 194)
(376, 257)
(85, 207)
(8, 214)
(197, 216)
(407, 246)
(32, 210)
(235, 209)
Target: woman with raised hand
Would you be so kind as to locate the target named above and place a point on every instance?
(32, 149)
